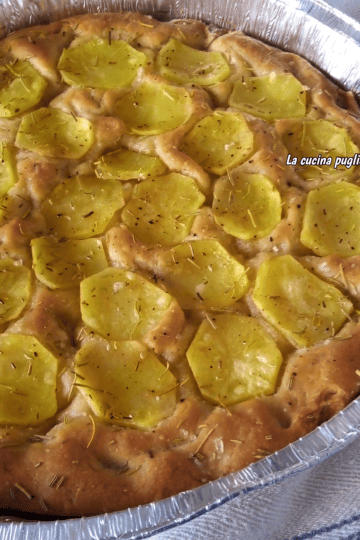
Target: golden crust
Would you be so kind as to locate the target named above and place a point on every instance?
(345, 273)
(74, 464)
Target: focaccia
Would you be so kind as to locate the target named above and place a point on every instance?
(179, 258)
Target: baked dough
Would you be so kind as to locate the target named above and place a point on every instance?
(84, 459)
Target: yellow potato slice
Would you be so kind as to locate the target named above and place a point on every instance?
(314, 138)
(162, 210)
(121, 305)
(53, 133)
(203, 274)
(246, 205)
(28, 374)
(331, 223)
(128, 165)
(154, 108)
(82, 206)
(182, 64)
(101, 63)
(278, 95)
(21, 87)
(13, 206)
(8, 172)
(125, 383)
(219, 142)
(233, 359)
(15, 288)
(61, 265)
(301, 306)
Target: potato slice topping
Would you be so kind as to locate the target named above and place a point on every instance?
(15, 288)
(278, 95)
(246, 205)
(121, 305)
(154, 108)
(127, 165)
(233, 359)
(219, 142)
(203, 274)
(303, 307)
(331, 223)
(100, 63)
(182, 64)
(21, 87)
(61, 265)
(162, 210)
(82, 206)
(53, 133)
(28, 374)
(314, 138)
(125, 383)
(8, 173)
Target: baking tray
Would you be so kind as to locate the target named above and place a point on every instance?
(328, 35)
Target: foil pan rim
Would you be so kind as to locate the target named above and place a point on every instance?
(308, 451)
(340, 21)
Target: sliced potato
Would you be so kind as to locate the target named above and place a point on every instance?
(61, 265)
(28, 374)
(246, 205)
(13, 206)
(53, 133)
(303, 307)
(15, 288)
(21, 87)
(278, 95)
(127, 165)
(233, 359)
(203, 274)
(8, 172)
(182, 64)
(311, 138)
(154, 108)
(101, 63)
(331, 223)
(82, 206)
(219, 142)
(121, 305)
(125, 383)
(162, 210)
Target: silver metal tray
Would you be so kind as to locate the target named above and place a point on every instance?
(328, 35)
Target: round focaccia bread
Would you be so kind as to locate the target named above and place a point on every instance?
(179, 258)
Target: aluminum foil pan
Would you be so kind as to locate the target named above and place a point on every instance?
(328, 35)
